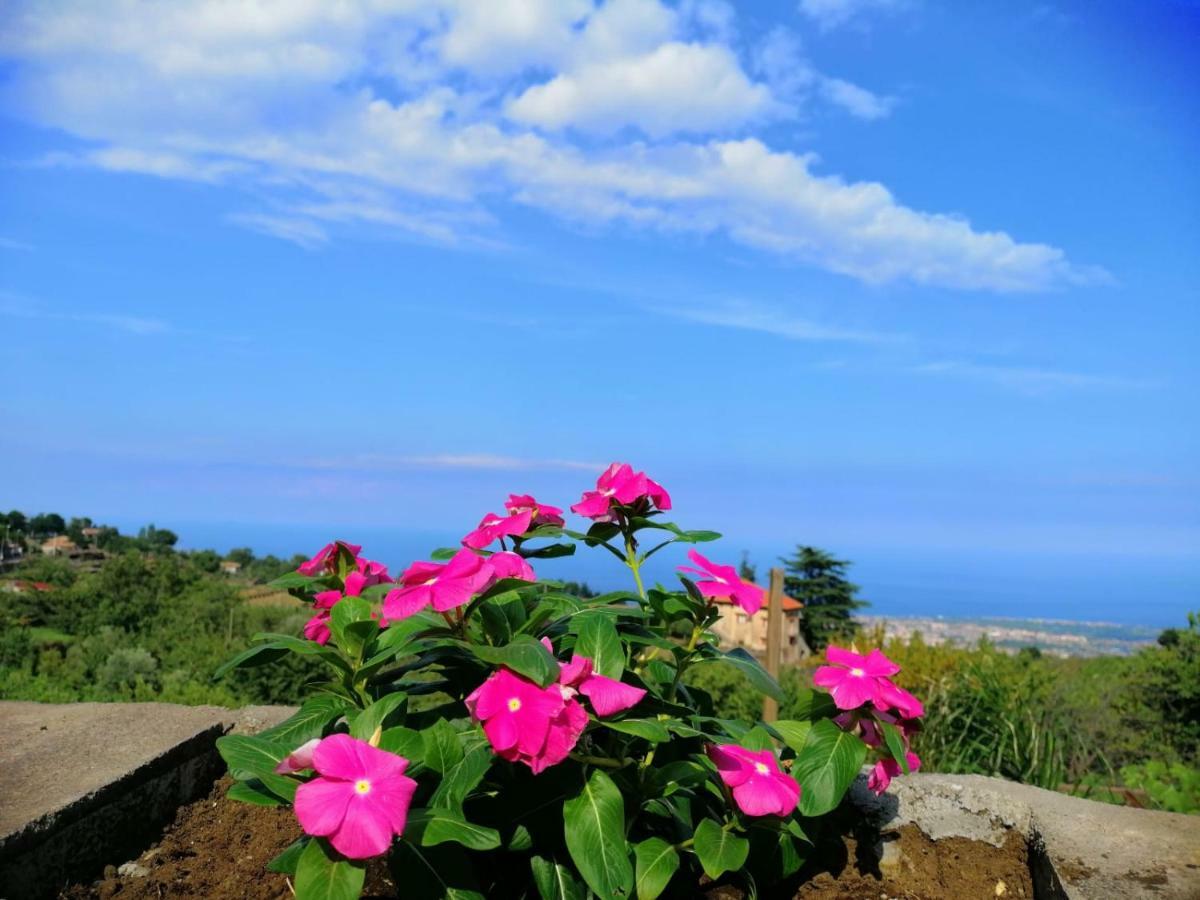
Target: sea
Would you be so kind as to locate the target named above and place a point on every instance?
(1137, 596)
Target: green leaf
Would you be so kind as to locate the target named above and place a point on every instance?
(895, 744)
(594, 826)
(599, 641)
(791, 732)
(254, 757)
(554, 881)
(290, 580)
(252, 791)
(309, 721)
(811, 705)
(741, 660)
(258, 655)
(438, 826)
(443, 749)
(406, 742)
(757, 738)
(323, 874)
(650, 729)
(826, 766)
(441, 554)
(433, 873)
(525, 656)
(345, 613)
(719, 851)
(376, 715)
(521, 840)
(462, 778)
(287, 861)
(656, 863)
(550, 551)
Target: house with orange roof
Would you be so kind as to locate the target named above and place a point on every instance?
(737, 629)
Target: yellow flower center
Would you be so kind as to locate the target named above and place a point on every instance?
(514, 704)
(362, 786)
(761, 769)
(857, 673)
(432, 580)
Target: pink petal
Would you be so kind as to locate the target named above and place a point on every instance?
(750, 597)
(321, 804)
(573, 672)
(394, 796)
(878, 665)
(853, 691)
(337, 756)
(404, 602)
(365, 831)
(767, 795)
(298, 759)
(502, 732)
(841, 657)
(561, 737)
(828, 676)
(733, 768)
(355, 582)
(609, 696)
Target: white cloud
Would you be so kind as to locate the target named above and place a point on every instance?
(391, 114)
(382, 462)
(1033, 380)
(23, 308)
(674, 88)
(857, 101)
(829, 14)
(747, 316)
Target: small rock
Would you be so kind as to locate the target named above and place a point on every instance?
(1001, 889)
(133, 870)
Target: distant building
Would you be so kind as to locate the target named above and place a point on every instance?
(736, 629)
(61, 545)
(230, 567)
(20, 586)
(90, 533)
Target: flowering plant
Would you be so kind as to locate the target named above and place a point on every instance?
(495, 735)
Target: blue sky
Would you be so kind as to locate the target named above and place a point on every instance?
(904, 279)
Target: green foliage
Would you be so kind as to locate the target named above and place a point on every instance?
(818, 580)
(1173, 787)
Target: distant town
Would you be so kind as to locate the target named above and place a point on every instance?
(1055, 637)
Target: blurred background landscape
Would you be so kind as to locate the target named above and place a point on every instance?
(907, 282)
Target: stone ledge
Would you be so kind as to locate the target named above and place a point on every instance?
(83, 781)
(1082, 849)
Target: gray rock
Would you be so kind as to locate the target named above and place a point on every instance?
(83, 783)
(132, 870)
(1081, 850)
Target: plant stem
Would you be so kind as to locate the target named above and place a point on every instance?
(631, 560)
(604, 762)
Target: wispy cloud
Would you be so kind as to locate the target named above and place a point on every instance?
(374, 462)
(20, 307)
(617, 114)
(748, 316)
(1033, 380)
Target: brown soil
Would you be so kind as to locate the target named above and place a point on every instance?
(218, 849)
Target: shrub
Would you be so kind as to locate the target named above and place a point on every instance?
(573, 745)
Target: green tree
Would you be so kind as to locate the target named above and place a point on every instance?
(747, 571)
(244, 556)
(47, 523)
(818, 580)
(17, 522)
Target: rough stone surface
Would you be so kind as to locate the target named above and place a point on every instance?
(1082, 850)
(79, 782)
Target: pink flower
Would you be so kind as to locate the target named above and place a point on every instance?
(887, 769)
(442, 586)
(507, 564)
(360, 798)
(367, 573)
(317, 628)
(893, 697)
(620, 485)
(853, 680)
(759, 787)
(299, 759)
(326, 559)
(608, 696)
(524, 722)
(723, 581)
(543, 513)
(493, 526)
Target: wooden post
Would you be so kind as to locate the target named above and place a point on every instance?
(774, 639)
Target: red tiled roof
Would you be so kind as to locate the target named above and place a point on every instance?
(790, 604)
